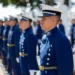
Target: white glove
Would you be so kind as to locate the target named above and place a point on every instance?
(32, 72)
(17, 59)
(38, 73)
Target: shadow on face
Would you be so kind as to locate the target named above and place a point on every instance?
(12, 22)
(1, 23)
(6, 23)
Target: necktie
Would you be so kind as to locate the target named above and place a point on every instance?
(44, 46)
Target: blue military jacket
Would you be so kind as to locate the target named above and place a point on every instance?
(56, 54)
(62, 29)
(5, 37)
(72, 32)
(39, 32)
(1, 36)
(27, 50)
(12, 43)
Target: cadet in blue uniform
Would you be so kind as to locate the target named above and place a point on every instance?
(5, 36)
(61, 26)
(1, 32)
(13, 37)
(56, 53)
(27, 44)
(39, 33)
(72, 32)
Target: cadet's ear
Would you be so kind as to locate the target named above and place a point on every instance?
(57, 19)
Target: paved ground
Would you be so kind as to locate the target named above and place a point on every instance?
(3, 72)
(2, 69)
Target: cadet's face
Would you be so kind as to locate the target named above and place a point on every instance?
(23, 24)
(73, 21)
(12, 23)
(6, 23)
(1, 23)
(46, 22)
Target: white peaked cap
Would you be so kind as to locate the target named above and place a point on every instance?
(51, 8)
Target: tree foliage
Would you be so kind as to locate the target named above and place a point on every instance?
(23, 2)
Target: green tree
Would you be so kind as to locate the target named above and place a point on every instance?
(17, 2)
(23, 2)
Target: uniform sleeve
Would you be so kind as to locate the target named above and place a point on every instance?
(31, 49)
(39, 32)
(64, 57)
(16, 42)
(63, 29)
(2, 38)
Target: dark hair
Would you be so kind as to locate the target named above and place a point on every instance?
(16, 19)
(30, 20)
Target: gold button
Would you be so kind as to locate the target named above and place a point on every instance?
(42, 68)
